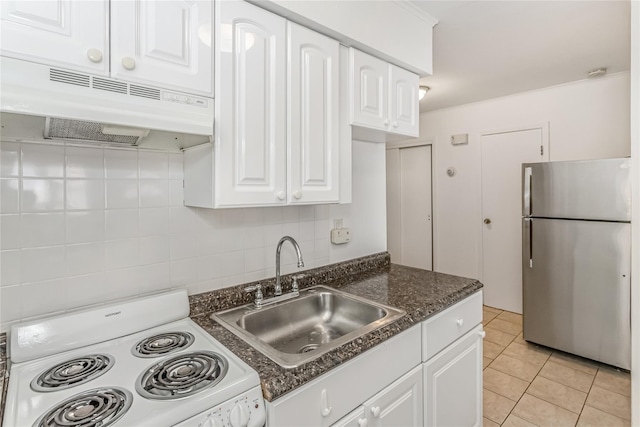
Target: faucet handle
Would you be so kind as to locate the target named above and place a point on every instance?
(258, 288)
(294, 284)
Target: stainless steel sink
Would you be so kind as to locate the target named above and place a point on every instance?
(298, 330)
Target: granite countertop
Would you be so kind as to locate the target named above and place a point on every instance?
(4, 374)
(418, 292)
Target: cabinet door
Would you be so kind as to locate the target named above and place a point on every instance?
(400, 404)
(163, 43)
(250, 138)
(403, 101)
(313, 137)
(369, 96)
(65, 33)
(355, 419)
(453, 384)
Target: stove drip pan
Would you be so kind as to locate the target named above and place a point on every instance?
(72, 372)
(100, 407)
(162, 344)
(182, 376)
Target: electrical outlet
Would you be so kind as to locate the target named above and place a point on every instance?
(340, 236)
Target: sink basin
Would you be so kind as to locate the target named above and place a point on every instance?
(298, 330)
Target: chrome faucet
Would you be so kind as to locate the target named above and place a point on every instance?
(278, 249)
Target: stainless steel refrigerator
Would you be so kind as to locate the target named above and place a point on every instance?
(576, 258)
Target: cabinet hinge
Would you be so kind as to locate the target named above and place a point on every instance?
(542, 150)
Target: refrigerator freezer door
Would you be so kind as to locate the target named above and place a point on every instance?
(576, 287)
(590, 189)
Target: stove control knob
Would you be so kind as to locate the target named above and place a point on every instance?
(212, 422)
(239, 416)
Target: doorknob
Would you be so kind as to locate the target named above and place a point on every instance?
(487, 221)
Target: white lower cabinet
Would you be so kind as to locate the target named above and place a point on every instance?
(400, 404)
(452, 352)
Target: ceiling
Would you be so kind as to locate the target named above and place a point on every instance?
(487, 49)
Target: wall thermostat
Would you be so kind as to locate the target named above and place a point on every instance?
(460, 139)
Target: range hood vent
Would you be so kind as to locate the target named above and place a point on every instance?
(82, 131)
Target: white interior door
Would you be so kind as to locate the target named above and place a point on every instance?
(409, 231)
(502, 158)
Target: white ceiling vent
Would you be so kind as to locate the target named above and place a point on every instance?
(81, 131)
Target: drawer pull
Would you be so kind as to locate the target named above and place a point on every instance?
(324, 403)
(460, 322)
(482, 334)
(375, 410)
(362, 422)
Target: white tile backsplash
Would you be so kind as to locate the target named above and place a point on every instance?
(85, 225)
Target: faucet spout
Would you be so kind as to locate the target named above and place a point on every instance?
(278, 250)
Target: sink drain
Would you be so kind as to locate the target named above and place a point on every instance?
(307, 348)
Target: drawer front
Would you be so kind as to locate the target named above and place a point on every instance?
(446, 327)
(335, 394)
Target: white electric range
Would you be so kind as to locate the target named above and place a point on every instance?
(139, 362)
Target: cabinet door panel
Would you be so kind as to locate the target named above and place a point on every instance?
(403, 96)
(370, 90)
(250, 164)
(453, 384)
(169, 42)
(400, 404)
(57, 32)
(313, 117)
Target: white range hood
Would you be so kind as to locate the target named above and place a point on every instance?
(98, 109)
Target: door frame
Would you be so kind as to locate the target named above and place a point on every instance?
(545, 128)
(428, 141)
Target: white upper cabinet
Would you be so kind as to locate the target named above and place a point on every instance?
(250, 138)
(384, 97)
(66, 33)
(370, 91)
(313, 117)
(279, 133)
(163, 43)
(403, 105)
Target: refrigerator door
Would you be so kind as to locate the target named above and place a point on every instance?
(590, 189)
(576, 287)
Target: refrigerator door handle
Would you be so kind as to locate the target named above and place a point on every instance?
(527, 190)
(528, 237)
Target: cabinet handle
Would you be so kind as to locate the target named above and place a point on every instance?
(324, 403)
(128, 63)
(94, 55)
(375, 410)
(386, 122)
(460, 322)
(395, 124)
(281, 195)
(297, 195)
(362, 422)
(482, 334)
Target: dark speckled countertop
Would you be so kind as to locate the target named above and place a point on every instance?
(418, 292)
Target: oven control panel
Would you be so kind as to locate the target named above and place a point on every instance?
(246, 410)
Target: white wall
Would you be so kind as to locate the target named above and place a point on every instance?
(587, 120)
(86, 225)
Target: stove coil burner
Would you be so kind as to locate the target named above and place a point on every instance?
(162, 344)
(181, 376)
(99, 407)
(72, 372)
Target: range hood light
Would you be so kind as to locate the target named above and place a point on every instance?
(124, 131)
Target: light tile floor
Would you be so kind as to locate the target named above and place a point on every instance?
(531, 385)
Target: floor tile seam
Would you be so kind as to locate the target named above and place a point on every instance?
(530, 363)
(510, 342)
(505, 418)
(551, 403)
(604, 388)
(500, 394)
(604, 410)
(555, 404)
(523, 361)
(563, 366)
